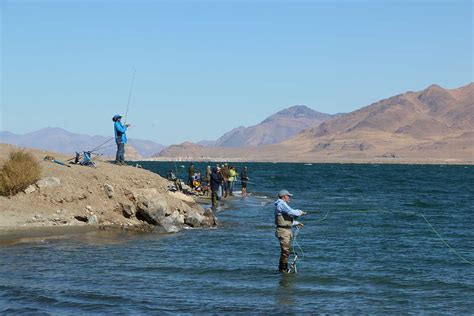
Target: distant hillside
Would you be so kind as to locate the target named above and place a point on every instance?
(434, 123)
(60, 140)
(274, 129)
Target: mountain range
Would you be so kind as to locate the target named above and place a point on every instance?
(274, 129)
(60, 140)
(434, 123)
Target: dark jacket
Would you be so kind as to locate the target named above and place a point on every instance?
(216, 179)
(191, 171)
(243, 175)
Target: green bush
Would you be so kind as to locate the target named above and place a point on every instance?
(18, 172)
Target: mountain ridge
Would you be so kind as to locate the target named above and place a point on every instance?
(431, 123)
(273, 129)
(60, 140)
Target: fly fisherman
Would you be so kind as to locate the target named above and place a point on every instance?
(284, 221)
(120, 139)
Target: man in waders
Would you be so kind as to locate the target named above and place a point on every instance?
(215, 183)
(284, 221)
(120, 139)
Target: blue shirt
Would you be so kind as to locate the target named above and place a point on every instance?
(120, 129)
(281, 207)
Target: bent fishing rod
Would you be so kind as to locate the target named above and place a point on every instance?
(100, 147)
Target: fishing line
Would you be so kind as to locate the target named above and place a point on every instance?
(446, 243)
(100, 148)
(410, 213)
(108, 140)
(130, 95)
(295, 242)
(246, 181)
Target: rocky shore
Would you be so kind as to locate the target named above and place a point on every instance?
(105, 197)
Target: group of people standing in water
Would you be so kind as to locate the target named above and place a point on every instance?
(220, 180)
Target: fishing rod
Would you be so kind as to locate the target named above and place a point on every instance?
(99, 147)
(102, 145)
(245, 181)
(130, 95)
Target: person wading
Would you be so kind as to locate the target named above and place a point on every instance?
(215, 184)
(284, 221)
(191, 175)
(120, 139)
(244, 177)
(232, 178)
(225, 174)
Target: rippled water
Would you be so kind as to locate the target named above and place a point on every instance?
(372, 253)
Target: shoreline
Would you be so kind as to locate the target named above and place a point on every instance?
(107, 197)
(386, 161)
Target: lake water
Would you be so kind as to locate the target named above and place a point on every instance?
(373, 253)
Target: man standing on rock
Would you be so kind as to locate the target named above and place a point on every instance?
(284, 221)
(120, 139)
(215, 184)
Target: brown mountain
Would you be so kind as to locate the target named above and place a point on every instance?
(60, 140)
(274, 129)
(434, 123)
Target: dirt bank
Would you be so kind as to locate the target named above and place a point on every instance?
(108, 196)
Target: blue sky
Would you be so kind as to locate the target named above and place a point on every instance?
(205, 67)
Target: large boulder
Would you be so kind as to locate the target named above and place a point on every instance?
(152, 210)
(173, 223)
(194, 219)
(170, 211)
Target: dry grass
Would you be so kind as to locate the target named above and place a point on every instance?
(18, 172)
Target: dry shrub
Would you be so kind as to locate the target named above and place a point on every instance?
(19, 171)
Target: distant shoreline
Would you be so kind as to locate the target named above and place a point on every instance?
(388, 161)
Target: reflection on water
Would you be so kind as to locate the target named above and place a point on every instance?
(80, 235)
(285, 290)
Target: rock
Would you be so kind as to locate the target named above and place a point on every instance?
(128, 210)
(211, 219)
(152, 210)
(38, 217)
(183, 197)
(30, 189)
(48, 182)
(187, 189)
(194, 219)
(92, 220)
(88, 207)
(109, 190)
(173, 223)
(81, 218)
